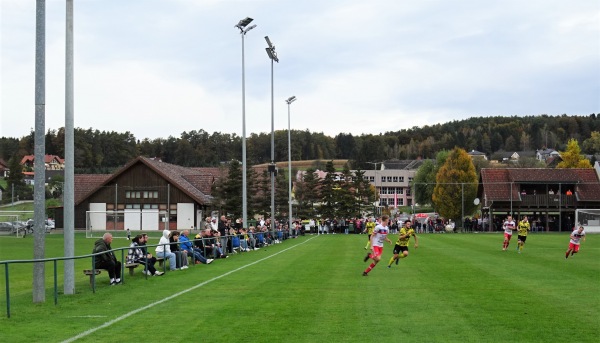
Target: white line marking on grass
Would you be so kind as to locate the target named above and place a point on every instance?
(87, 317)
(129, 314)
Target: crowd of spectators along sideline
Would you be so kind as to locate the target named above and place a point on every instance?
(216, 240)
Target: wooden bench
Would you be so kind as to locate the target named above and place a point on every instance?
(160, 261)
(131, 267)
(90, 273)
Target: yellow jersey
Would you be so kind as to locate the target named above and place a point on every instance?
(523, 228)
(403, 242)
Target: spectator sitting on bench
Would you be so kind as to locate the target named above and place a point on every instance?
(192, 251)
(107, 260)
(137, 254)
(164, 250)
(180, 255)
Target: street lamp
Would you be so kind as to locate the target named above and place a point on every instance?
(244, 28)
(289, 102)
(273, 56)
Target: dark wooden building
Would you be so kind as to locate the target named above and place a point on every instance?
(145, 194)
(549, 197)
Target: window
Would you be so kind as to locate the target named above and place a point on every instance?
(384, 190)
(410, 179)
(401, 178)
(399, 190)
(372, 179)
(127, 195)
(400, 201)
(395, 178)
(383, 202)
(389, 179)
(383, 179)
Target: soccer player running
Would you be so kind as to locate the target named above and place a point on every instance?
(401, 247)
(575, 241)
(377, 238)
(369, 227)
(524, 227)
(508, 226)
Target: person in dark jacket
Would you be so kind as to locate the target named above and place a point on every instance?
(107, 260)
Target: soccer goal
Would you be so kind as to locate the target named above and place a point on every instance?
(589, 219)
(15, 223)
(117, 222)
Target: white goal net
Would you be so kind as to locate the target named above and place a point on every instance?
(117, 222)
(16, 223)
(589, 219)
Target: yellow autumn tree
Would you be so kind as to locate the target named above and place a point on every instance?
(572, 157)
(456, 186)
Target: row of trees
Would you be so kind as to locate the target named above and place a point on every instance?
(330, 197)
(103, 151)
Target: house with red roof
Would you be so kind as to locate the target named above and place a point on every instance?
(51, 162)
(549, 197)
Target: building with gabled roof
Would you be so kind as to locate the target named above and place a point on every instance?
(51, 162)
(152, 194)
(541, 193)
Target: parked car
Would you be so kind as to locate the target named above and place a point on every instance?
(49, 225)
(6, 227)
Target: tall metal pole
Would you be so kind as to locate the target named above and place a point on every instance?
(243, 30)
(462, 219)
(39, 194)
(69, 185)
(273, 56)
(244, 181)
(289, 102)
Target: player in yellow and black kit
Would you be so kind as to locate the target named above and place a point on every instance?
(369, 227)
(402, 243)
(524, 227)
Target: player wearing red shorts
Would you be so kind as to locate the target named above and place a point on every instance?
(377, 238)
(508, 226)
(575, 241)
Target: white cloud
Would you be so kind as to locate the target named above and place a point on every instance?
(160, 68)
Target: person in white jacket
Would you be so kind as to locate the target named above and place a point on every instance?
(164, 250)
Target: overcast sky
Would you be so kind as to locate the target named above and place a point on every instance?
(157, 68)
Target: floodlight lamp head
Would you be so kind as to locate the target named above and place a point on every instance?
(291, 99)
(244, 22)
(269, 42)
(272, 54)
(249, 28)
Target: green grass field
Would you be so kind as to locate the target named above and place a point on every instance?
(453, 288)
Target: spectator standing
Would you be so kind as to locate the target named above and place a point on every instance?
(223, 230)
(107, 260)
(128, 234)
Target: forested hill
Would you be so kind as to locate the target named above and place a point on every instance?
(102, 151)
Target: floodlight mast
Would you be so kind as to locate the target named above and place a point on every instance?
(273, 56)
(289, 101)
(243, 30)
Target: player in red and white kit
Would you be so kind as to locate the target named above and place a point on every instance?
(575, 241)
(377, 238)
(509, 226)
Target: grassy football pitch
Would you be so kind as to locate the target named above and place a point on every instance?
(453, 288)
